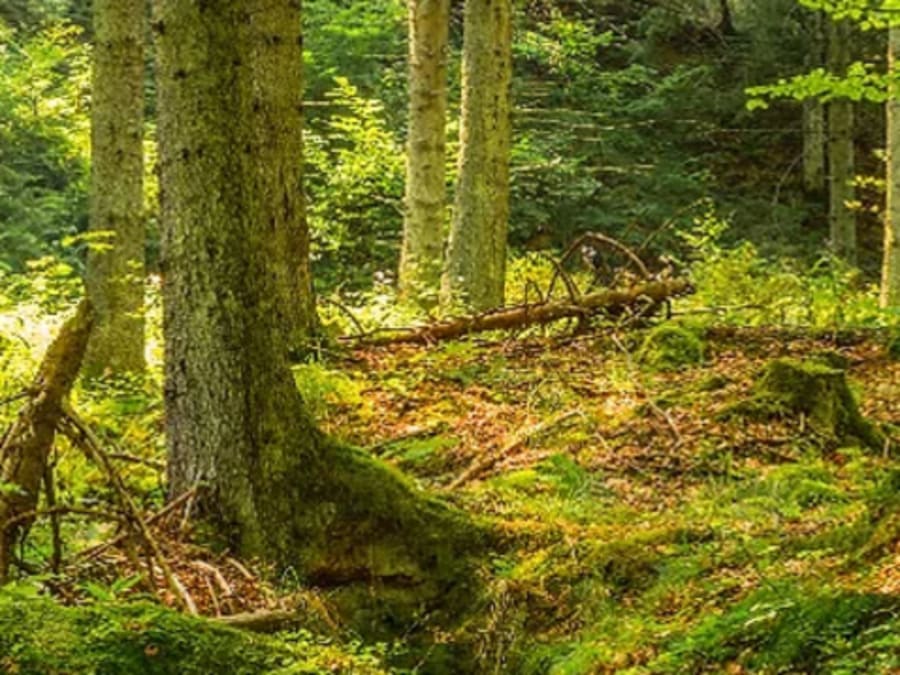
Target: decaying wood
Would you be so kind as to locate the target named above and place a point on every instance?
(27, 444)
(521, 316)
(270, 621)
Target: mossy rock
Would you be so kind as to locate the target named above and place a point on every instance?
(669, 348)
(788, 387)
(41, 637)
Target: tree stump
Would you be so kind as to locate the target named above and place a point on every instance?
(817, 390)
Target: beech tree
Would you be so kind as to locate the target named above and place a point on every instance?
(115, 265)
(841, 151)
(423, 225)
(476, 256)
(229, 103)
(814, 115)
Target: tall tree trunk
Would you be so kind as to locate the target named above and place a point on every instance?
(115, 266)
(890, 277)
(840, 151)
(277, 487)
(423, 226)
(814, 116)
(476, 258)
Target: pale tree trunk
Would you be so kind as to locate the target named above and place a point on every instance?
(115, 265)
(476, 258)
(842, 193)
(814, 117)
(890, 277)
(277, 488)
(423, 225)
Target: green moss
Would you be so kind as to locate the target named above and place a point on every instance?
(893, 347)
(40, 637)
(815, 390)
(669, 347)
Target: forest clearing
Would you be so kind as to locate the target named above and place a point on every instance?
(448, 337)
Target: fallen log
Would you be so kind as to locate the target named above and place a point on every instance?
(25, 447)
(521, 316)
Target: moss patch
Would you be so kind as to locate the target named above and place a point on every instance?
(668, 348)
(40, 637)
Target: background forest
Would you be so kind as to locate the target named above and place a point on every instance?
(702, 482)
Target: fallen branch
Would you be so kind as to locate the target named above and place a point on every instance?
(482, 464)
(266, 621)
(26, 445)
(614, 300)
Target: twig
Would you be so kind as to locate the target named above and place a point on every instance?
(82, 436)
(94, 551)
(484, 463)
(360, 331)
(134, 459)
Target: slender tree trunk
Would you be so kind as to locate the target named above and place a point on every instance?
(115, 266)
(276, 487)
(814, 117)
(476, 259)
(842, 218)
(423, 227)
(890, 278)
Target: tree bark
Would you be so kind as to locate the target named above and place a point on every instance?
(842, 193)
(423, 227)
(273, 484)
(814, 117)
(115, 265)
(890, 276)
(476, 258)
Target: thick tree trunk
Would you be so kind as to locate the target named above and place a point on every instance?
(814, 116)
(115, 266)
(423, 226)
(890, 277)
(841, 152)
(277, 488)
(476, 259)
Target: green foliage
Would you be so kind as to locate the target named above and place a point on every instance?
(355, 172)
(43, 141)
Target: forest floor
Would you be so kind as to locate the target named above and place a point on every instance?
(651, 533)
(655, 533)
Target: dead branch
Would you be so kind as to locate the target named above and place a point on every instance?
(266, 621)
(613, 300)
(26, 445)
(82, 436)
(482, 464)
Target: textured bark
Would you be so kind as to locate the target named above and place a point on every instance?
(841, 217)
(24, 449)
(476, 258)
(115, 272)
(277, 488)
(814, 116)
(423, 225)
(890, 276)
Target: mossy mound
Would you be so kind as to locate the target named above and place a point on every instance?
(814, 389)
(40, 637)
(668, 348)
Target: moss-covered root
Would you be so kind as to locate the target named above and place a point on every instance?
(816, 390)
(38, 637)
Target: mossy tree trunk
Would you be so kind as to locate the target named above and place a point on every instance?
(115, 266)
(841, 162)
(277, 488)
(890, 275)
(475, 270)
(423, 225)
